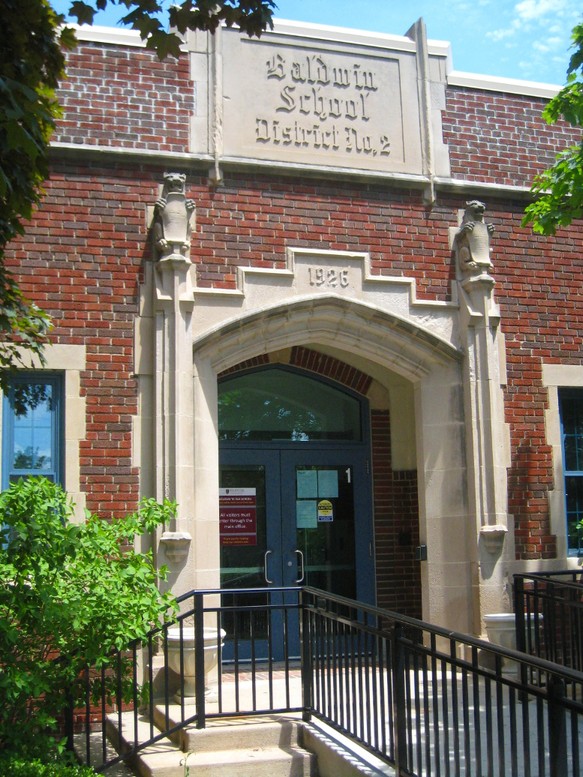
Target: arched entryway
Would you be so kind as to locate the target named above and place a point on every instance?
(412, 386)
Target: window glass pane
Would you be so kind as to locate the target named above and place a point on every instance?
(31, 399)
(571, 407)
(276, 404)
(574, 497)
(37, 453)
(31, 428)
(572, 445)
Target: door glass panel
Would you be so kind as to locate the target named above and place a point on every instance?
(275, 404)
(325, 527)
(242, 515)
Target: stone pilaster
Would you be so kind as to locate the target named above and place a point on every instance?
(173, 370)
(487, 441)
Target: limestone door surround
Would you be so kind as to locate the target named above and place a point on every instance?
(449, 355)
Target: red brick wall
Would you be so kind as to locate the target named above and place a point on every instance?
(250, 221)
(539, 288)
(500, 138)
(329, 367)
(82, 257)
(126, 98)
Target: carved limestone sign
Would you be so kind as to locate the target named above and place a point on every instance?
(323, 103)
(318, 102)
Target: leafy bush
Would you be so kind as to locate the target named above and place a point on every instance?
(70, 594)
(14, 766)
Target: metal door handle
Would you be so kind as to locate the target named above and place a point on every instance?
(301, 555)
(267, 580)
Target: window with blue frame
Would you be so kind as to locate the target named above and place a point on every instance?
(571, 409)
(31, 427)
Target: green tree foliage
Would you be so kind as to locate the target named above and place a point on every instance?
(32, 62)
(559, 190)
(147, 16)
(70, 593)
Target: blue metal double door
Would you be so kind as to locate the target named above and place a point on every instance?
(292, 516)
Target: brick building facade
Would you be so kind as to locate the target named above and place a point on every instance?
(329, 172)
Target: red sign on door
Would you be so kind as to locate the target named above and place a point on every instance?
(238, 516)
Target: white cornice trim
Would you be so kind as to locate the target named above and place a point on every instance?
(496, 84)
(120, 36)
(465, 184)
(102, 152)
(124, 37)
(184, 159)
(341, 35)
(115, 36)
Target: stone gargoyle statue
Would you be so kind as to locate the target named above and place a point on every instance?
(472, 240)
(173, 212)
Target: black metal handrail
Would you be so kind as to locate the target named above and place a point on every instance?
(549, 616)
(425, 700)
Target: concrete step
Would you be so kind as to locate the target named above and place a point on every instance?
(253, 736)
(269, 746)
(233, 733)
(245, 762)
(265, 747)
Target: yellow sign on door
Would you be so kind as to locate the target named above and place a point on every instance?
(325, 511)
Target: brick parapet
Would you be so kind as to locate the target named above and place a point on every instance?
(125, 98)
(500, 138)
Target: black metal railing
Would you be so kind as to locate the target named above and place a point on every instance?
(156, 688)
(432, 702)
(423, 699)
(549, 616)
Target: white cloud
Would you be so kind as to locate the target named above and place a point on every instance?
(497, 35)
(535, 9)
(548, 44)
(541, 26)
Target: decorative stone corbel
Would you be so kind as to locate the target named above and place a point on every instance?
(176, 544)
(493, 537)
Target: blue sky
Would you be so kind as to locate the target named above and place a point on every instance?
(525, 39)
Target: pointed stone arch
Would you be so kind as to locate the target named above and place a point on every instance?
(380, 336)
